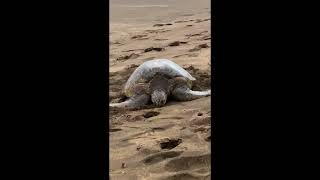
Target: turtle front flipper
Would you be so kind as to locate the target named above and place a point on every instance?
(133, 102)
(183, 93)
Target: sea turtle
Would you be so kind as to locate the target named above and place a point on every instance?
(157, 79)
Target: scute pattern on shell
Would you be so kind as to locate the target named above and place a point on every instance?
(148, 69)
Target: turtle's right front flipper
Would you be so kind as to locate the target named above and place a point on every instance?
(136, 101)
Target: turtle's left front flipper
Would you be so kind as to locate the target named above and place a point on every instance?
(183, 93)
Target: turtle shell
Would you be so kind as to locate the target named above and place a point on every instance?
(146, 71)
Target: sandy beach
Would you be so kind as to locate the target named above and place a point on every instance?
(172, 142)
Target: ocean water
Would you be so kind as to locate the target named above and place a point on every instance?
(126, 11)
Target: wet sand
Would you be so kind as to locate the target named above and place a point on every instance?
(171, 142)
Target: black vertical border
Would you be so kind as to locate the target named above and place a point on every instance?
(106, 143)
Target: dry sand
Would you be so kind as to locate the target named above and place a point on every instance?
(172, 142)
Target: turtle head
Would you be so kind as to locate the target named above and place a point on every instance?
(159, 97)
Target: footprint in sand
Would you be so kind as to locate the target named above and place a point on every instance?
(139, 36)
(198, 47)
(161, 39)
(116, 43)
(154, 49)
(149, 58)
(172, 118)
(126, 57)
(132, 66)
(206, 37)
(162, 128)
(153, 31)
(145, 116)
(180, 55)
(136, 118)
(165, 31)
(158, 25)
(169, 143)
(160, 156)
(180, 21)
(183, 21)
(157, 31)
(189, 163)
(177, 43)
(150, 114)
(189, 55)
(130, 50)
(202, 20)
(147, 150)
(196, 34)
(115, 130)
(158, 129)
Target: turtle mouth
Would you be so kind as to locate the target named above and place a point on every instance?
(160, 103)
